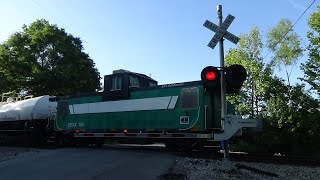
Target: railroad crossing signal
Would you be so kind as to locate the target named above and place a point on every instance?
(221, 31)
(207, 76)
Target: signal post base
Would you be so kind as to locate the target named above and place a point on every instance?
(226, 165)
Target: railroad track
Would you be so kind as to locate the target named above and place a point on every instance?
(297, 160)
(208, 153)
(212, 153)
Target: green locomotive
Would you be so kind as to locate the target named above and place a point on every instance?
(133, 107)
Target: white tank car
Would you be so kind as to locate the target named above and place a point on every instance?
(29, 109)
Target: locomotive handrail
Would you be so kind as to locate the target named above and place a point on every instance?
(28, 97)
(15, 96)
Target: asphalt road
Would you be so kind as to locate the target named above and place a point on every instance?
(87, 164)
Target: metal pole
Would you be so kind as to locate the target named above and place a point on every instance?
(223, 87)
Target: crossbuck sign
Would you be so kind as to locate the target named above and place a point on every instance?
(221, 31)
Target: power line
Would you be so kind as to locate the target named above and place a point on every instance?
(281, 39)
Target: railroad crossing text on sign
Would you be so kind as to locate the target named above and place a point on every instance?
(221, 31)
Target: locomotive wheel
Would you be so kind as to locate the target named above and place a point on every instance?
(37, 138)
(3, 139)
(99, 142)
(180, 145)
(171, 146)
(199, 145)
(59, 140)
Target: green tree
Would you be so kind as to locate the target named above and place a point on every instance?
(248, 53)
(285, 44)
(44, 59)
(298, 124)
(312, 67)
(3, 83)
(290, 114)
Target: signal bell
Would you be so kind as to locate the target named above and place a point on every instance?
(210, 76)
(235, 76)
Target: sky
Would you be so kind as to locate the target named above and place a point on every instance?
(164, 39)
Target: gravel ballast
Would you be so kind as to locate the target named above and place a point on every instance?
(194, 169)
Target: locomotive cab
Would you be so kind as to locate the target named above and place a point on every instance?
(118, 84)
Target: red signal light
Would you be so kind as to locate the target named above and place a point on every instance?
(210, 75)
(125, 131)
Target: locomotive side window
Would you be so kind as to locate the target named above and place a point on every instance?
(116, 83)
(134, 81)
(189, 98)
(152, 83)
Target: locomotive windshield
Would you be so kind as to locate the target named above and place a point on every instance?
(134, 81)
(116, 83)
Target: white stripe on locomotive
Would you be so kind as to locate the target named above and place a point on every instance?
(156, 103)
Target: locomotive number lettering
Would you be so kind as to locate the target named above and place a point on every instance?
(172, 85)
(72, 125)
